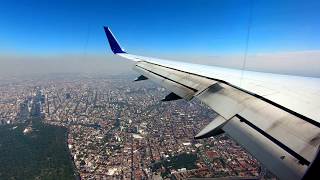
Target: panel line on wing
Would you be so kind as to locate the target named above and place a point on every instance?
(195, 90)
(301, 159)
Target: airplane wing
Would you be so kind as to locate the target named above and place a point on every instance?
(274, 117)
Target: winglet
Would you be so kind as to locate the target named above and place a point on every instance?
(114, 45)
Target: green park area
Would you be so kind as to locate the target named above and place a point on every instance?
(39, 154)
(183, 160)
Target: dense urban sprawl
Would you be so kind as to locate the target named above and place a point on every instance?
(119, 129)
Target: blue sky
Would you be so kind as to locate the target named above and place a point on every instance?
(188, 27)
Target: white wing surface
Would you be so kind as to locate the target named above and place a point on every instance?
(275, 117)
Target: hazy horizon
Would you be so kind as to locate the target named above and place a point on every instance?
(43, 37)
(304, 63)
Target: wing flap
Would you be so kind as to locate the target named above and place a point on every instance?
(189, 80)
(183, 84)
(276, 159)
(179, 89)
(286, 128)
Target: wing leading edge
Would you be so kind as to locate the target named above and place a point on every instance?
(285, 140)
